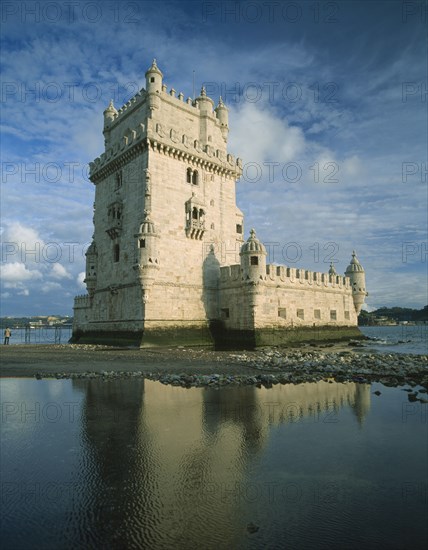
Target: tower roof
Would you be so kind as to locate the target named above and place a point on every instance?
(147, 227)
(253, 245)
(154, 69)
(355, 265)
(221, 104)
(332, 270)
(111, 108)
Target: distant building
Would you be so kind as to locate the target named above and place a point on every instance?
(168, 263)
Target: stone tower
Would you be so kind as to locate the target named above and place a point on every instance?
(164, 201)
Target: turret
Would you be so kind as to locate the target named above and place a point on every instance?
(205, 103)
(154, 85)
(147, 252)
(222, 114)
(91, 268)
(253, 259)
(154, 78)
(357, 276)
(109, 115)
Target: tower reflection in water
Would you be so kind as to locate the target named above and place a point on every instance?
(166, 466)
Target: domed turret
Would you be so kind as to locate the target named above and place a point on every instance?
(91, 268)
(222, 114)
(154, 78)
(253, 258)
(205, 103)
(109, 114)
(356, 273)
(147, 244)
(153, 86)
(332, 270)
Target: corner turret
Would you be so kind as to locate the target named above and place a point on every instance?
(91, 268)
(356, 273)
(205, 104)
(109, 115)
(154, 78)
(222, 114)
(253, 259)
(154, 85)
(146, 244)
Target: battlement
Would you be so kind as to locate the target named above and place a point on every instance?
(287, 277)
(192, 105)
(82, 301)
(167, 140)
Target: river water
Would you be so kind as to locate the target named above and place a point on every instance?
(136, 464)
(388, 339)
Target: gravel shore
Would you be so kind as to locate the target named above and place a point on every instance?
(195, 367)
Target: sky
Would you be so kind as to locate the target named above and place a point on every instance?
(327, 109)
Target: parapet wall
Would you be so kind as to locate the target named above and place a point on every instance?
(81, 302)
(286, 277)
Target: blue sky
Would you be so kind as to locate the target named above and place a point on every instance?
(328, 110)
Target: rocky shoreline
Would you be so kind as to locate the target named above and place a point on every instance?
(190, 367)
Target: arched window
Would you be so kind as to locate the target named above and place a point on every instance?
(189, 175)
(195, 178)
(195, 213)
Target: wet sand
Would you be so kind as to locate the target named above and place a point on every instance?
(200, 366)
(28, 360)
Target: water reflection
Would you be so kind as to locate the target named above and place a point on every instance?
(135, 464)
(164, 466)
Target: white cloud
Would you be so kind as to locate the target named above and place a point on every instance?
(16, 232)
(49, 287)
(17, 272)
(258, 135)
(24, 292)
(59, 272)
(80, 278)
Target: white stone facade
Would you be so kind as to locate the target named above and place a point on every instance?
(167, 261)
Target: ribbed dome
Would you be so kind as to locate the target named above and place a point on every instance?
(147, 227)
(253, 245)
(355, 265)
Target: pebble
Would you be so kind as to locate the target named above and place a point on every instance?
(285, 366)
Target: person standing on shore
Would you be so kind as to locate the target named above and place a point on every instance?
(7, 335)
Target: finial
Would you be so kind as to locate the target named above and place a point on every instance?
(111, 107)
(353, 254)
(220, 102)
(252, 234)
(203, 91)
(154, 62)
